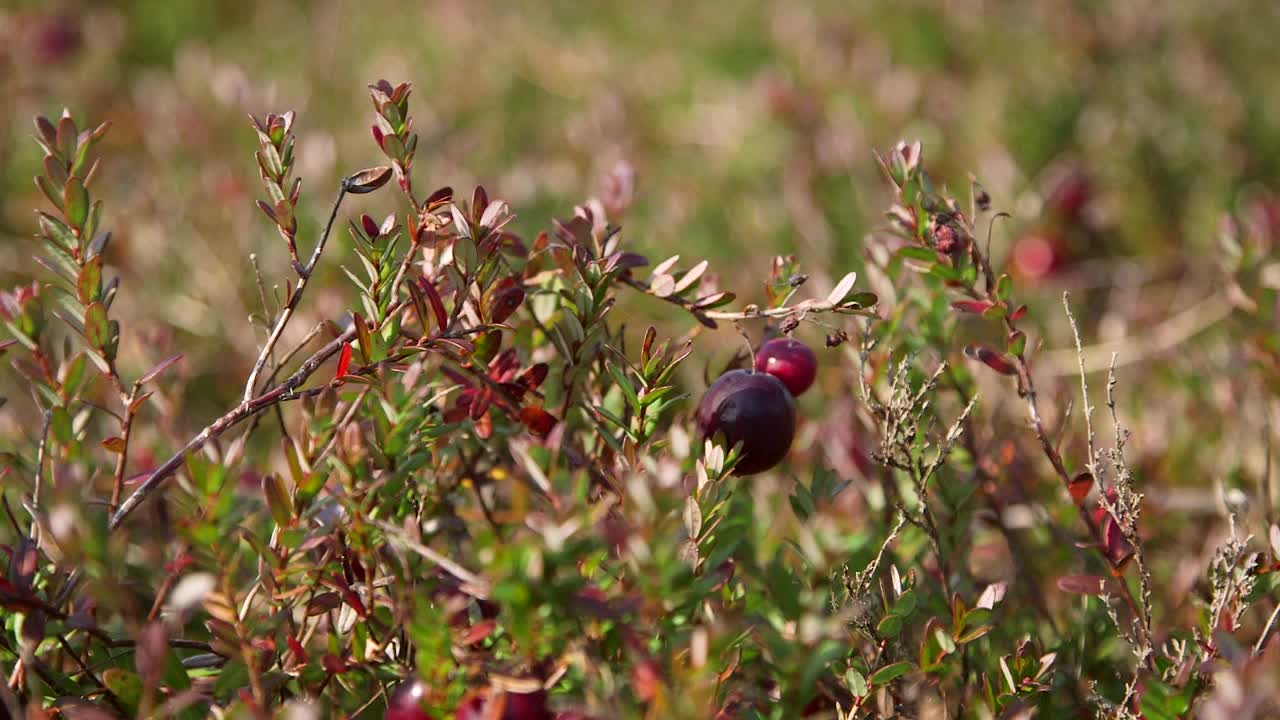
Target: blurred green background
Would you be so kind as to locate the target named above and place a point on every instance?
(750, 128)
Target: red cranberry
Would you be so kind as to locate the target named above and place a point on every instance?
(527, 706)
(473, 707)
(406, 702)
(791, 361)
(486, 705)
(1038, 255)
(752, 408)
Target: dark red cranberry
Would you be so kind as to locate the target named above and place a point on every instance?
(789, 360)
(509, 705)
(527, 706)
(407, 700)
(752, 408)
(1071, 195)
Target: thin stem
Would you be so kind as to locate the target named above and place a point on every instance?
(304, 275)
(40, 452)
(1084, 387)
(126, 426)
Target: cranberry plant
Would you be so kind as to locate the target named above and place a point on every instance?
(481, 492)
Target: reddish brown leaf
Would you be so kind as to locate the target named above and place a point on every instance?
(439, 198)
(505, 302)
(437, 305)
(534, 376)
(323, 603)
(480, 403)
(159, 368)
(478, 632)
(976, 307)
(992, 358)
(370, 179)
(539, 421)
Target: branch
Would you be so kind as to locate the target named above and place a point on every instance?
(709, 317)
(304, 274)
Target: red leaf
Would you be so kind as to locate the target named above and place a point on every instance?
(478, 632)
(299, 652)
(480, 403)
(539, 421)
(503, 368)
(159, 368)
(992, 358)
(1080, 486)
(437, 305)
(1081, 584)
(1018, 314)
(344, 360)
(534, 376)
(976, 307)
(505, 303)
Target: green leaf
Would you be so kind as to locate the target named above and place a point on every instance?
(1004, 286)
(973, 634)
(915, 252)
(889, 673)
(89, 284)
(125, 685)
(75, 202)
(856, 683)
(278, 500)
(905, 604)
(624, 384)
(60, 425)
(97, 329)
(889, 626)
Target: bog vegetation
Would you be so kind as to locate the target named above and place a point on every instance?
(477, 471)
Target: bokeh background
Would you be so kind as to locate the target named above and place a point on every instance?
(1114, 134)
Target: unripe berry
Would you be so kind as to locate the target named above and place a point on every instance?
(789, 360)
(755, 409)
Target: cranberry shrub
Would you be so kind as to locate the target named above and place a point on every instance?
(481, 492)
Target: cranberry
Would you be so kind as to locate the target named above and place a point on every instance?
(752, 408)
(406, 702)
(527, 706)
(486, 705)
(791, 361)
(1038, 255)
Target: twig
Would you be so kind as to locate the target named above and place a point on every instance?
(304, 274)
(1084, 386)
(1266, 630)
(122, 458)
(40, 450)
(479, 587)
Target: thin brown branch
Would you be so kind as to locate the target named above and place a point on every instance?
(304, 275)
